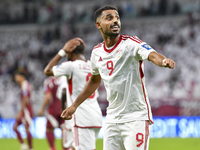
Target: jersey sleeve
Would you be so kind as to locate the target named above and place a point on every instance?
(47, 86)
(94, 69)
(25, 90)
(142, 50)
(63, 69)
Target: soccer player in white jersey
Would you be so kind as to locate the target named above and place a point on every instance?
(119, 62)
(87, 120)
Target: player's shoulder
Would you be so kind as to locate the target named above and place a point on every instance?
(133, 38)
(26, 85)
(64, 65)
(79, 63)
(67, 62)
(100, 45)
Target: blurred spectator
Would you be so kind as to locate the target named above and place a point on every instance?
(163, 7)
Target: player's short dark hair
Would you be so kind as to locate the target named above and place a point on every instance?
(79, 49)
(20, 72)
(100, 10)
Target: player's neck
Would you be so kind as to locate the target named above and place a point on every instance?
(21, 82)
(110, 41)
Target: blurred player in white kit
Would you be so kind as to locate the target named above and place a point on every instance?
(118, 60)
(87, 120)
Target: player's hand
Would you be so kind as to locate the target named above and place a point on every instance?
(71, 45)
(168, 63)
(79, 39)
(68, 112)
(41, 112)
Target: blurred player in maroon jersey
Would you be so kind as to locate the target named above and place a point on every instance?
(51, 100)
(25, 114)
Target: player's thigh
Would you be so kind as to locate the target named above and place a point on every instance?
(135, 135)
(27, 118)
(67, 138)
(60, 121)
(52, 121)
(112, 137)
(85, 138)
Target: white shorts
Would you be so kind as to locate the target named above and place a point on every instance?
(127, 136)
(67, 138)
(85, 138)
(67, 134)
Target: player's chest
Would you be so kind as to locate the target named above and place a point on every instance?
(109, 63)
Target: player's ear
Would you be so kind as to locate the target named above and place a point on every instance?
(98, 25)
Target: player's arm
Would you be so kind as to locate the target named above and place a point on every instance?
(49, 68)
(46, 101)
(63, 98)
(68, 47)
(161, 60)
(87, 91)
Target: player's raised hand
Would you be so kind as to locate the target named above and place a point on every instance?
(81, 41)
(168, 63)
(71, 45)
(68, 112)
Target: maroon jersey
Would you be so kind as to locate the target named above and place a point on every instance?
(26, 91)
(51, 84)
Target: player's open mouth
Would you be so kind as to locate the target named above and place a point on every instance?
(115, 26)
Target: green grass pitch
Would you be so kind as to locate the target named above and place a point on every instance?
(155, 144)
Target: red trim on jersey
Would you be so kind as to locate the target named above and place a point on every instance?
(135, 39)
(125, 37)
(146, 134)
(109, 51)
(70, 85)
(97, 46)
(87, 126)
(141, 76)
(76, 136)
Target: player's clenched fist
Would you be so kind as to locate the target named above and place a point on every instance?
(68, 112)
(168, 63)
(71, 45)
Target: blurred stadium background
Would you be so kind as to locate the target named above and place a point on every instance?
(32, 32)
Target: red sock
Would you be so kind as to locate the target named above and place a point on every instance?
(29, 137)
(19, 137)
(50, 138)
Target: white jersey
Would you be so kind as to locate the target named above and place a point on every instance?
(88, 114)
(121, 69)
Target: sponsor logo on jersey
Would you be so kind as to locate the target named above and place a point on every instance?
(146, 46)
(119, 53)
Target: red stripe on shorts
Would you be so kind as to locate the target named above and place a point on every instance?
(146, 134)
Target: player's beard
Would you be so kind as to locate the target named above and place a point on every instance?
(111, 34)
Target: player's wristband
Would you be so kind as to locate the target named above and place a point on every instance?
(62, 53)
(163, 61)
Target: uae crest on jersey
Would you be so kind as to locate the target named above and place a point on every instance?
(119, 53)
